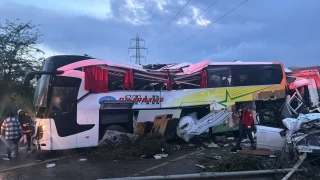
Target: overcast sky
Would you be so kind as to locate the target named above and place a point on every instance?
(259, 30)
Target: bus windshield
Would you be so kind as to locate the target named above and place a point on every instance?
(41, 91)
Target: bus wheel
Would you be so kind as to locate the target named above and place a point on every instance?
(116, 128)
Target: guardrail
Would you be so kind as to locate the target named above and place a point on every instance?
(211, 175)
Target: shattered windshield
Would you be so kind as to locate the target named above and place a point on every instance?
(41, 92)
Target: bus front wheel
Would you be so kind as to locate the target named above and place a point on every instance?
(116, 128)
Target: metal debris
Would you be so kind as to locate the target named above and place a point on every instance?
(200, 166)
(295, 167)
(50, 165)
(211, 145)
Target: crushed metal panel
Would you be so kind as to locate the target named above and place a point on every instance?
(294, 124)
(211, 119)
(269, 138)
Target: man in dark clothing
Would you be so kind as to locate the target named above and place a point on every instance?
(245, 126)
(26, 123)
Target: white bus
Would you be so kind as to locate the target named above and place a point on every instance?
(78, 98)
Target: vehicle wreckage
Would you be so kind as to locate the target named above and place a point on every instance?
(300, 116)
(79, 98)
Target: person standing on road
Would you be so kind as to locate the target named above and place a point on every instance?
(26, 123)
(245, 126)
(11, 131)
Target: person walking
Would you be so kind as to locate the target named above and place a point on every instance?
(245, 126)
(11, 131)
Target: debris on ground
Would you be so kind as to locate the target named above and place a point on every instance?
(159, 156)
(82, 159)
(148, 146)
(234, 162)
(301, 159)
(200, 166)
(211, 145)
(116, 137)
(259, 152)
(221, 139)
(50, 165)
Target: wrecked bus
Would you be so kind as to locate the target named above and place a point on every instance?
(78, 98)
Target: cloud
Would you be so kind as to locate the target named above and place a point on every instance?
(271, 30)
(99, 9)
(259, 51)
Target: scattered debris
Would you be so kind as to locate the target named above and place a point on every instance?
(148, 146)
(217, 157)
(211, 145)
(162, 155)
(221, 139)
(301, 159)
(50, 165)
(82, 159)
(272, 156)
(260, 152)
(6, 159)
(200, 166)
(157, 156)
(234, 162)
(213, 158)
(116, 137)
(191, 145)
(231, 138)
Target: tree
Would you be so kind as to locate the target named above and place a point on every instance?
(19, 53)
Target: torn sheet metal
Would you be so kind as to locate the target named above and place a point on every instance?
(211, 119)
(304, 132)
(294, 125)
(189, 126)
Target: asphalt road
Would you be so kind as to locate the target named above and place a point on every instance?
(69, 166)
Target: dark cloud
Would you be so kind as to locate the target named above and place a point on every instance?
(286, 31)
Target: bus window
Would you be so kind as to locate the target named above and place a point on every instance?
(245, 75)
(64, 94)
(253, 75)
(219, 76)
(270, 74)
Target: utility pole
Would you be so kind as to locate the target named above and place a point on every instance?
(137, 47)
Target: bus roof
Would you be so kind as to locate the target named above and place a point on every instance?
(242, 63)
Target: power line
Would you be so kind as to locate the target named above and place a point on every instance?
(169, 23)
(206, 26)
(192, 20)
(152, 16)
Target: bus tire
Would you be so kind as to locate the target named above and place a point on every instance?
(116, 128)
